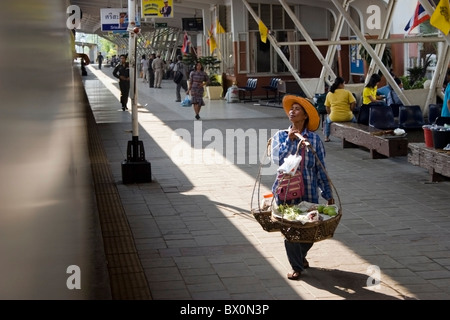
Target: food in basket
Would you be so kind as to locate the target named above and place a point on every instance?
(330, 211)
(304, 212)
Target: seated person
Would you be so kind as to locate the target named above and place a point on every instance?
(340, 103)
(370, 92)
(392, 97)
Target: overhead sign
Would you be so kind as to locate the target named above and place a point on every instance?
(157, 8)
(161, 25)
(116, 19)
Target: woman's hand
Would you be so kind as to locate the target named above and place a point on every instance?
(292, 133)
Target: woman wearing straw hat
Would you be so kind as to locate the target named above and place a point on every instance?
(305, 120)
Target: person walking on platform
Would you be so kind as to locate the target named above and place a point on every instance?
(122, 72)
(180, 66)
(304, 120)
(100, 59)
(197, 80)
(151, 72)
(144, 68)
(158, 67)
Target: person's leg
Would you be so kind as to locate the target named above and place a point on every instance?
(296, 253)
(122, 94)
(178, 92)
(160, 75)
(126, 93)
(197, 110)
(327, 129)
(152, 79)
(184, 85)
(305, 248)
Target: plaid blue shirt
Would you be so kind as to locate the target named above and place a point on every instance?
(314, 176)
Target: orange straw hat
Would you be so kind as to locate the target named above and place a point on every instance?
(313, 115)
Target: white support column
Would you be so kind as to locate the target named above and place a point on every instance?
(132, 63)
(369, 49)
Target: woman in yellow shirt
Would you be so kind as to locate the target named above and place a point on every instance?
(370, 91)
(340, 104)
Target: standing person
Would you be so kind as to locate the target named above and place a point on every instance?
(158, 68)
(180, 66)
(370, 91)
(166, 10)
(340, 104)
(144, 68)
(151, 72)
(304, 120)
(446, 102)
(122, 72)
(100, 60)
(197, 80)
(170, 70)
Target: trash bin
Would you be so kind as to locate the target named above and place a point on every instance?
(428, 135)
(441, 137)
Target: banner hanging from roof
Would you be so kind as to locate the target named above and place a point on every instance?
(116, 19)
(157, 8)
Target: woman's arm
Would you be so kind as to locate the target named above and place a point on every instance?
(352, 105)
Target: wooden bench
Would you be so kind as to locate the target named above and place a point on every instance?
(434, 160)
(360, 135)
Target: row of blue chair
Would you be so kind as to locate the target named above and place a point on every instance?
(249, 87)
(382, 117)
(272, 87)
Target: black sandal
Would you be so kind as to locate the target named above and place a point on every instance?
(294, 275)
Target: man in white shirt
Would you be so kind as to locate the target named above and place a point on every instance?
(158, 68)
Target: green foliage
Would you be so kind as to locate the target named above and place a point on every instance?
(210, 64)
(189, 60)
(416, 76)
(107, 47)
(408, 84)
(213, 81)
(386, 59)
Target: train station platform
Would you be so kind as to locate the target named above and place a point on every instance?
(189, 234)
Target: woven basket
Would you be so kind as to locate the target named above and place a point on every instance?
(266, 221)
(295, 231)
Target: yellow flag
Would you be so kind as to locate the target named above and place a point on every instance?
(441, 16)
(263, 31)
(212, 42)
(219, 28)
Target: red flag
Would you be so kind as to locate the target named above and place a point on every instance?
(420, 15)
(186, 44)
